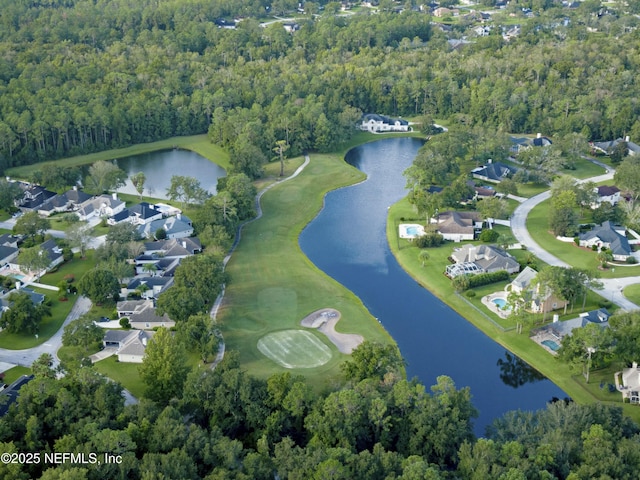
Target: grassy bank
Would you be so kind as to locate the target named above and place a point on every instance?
(431, 277)
(197, 143)
(274, 285)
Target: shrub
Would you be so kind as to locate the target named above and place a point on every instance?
(124, 322)
(69, 278)
(604, 304)
(576, 240)
(594, 248)
(489, 236)
(429, 240)
(631, 260)
(470, 293)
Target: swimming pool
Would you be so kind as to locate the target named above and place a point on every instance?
(17, 276)
(551, 344)
(500, 302)
(412, 231)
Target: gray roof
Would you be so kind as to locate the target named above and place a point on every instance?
(606, 233)
(171, 225)
(486, 257)
(495, 171)
(381, 118)
(525, 278)
(611, 144)
(599, 317)
(7, 251)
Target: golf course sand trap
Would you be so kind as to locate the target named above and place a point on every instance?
(325, 321)
(295, 349)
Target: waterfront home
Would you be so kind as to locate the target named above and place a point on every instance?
(538, 301)
(493, 172)
(472, 259)
(375, 123)
(458, 226)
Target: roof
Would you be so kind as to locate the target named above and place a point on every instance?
(52, 248)
(494, 171)
(133, 305)
(10, 240)
(149, 282)
(608, 146)
(171, 225)
(487, 257)
(599, 317)
(174, 246)
(144, 210)
(525, 278)
(606, 233)
(7, 251)
(12, 393)
(607, 190)
(457, 222)
(381, 118)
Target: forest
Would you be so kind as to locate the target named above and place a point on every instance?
(373, 424)
(78, 76)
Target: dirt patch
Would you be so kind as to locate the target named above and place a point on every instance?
(325, 321)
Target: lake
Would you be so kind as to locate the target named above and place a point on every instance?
(347, 240)
(160, 166)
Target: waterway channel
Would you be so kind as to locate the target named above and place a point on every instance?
(347, 240)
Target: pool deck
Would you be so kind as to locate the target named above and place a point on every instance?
(543, 334)
(487, 301)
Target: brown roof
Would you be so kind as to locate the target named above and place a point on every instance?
(457, 222)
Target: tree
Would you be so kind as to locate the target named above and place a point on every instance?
(372, 360)
(122, 233)
(82, 332)
(281, 147)
(31, 225)
(186, 189)
(104, 176)
(627, 176)
(164, 368)
(585, 346)
(138, 180)
(423, 256)
(619, 152)
(23, 316)
(79, 236)
(100, 285)
(562, 215)
(243, 192)
(34, 259)
(9, 193)
(625, 328)
(492, 208)
(199, 331)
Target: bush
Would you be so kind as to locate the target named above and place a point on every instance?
(489, 236)
(631, 260)
(576, 240)
(429, 240)
(470, 293)
(124, 323)
(69, 278)
(594, 248)
(605, 304)
(465, 282)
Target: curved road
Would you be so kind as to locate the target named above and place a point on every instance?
(612, 287)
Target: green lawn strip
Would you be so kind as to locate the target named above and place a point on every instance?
(274, 285)
(432, 278)
(197, 143)
(538, 226)
(15, 373)
(528, 190)
(76, 266)
(585, 169)
(632, 292)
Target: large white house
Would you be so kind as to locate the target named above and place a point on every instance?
(374, 123)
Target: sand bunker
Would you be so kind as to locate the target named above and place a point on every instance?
(325, 321)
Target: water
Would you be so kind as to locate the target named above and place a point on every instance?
(551, 344)
(499, 302)
(159, 167)
(347, 240)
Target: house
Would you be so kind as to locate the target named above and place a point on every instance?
(179, 226)
(173, 248)
(33, 196)
(139, 214)
(54, 252)
(458, 226)
(291, 27)
(5, 303)
(607, 147)
(606, 193)
(599, 317)
(149, 287)
(130, 344)
(100, 206)
(65, 202)
(374, 123)
(446, 12)
(482, 30)
(8, 255)
(10, 395)
(608, 235)
(493, 171)
(472, 259)
(523, 143)
(155, 265)
(142, 315)
(628, 383)
(537, 300)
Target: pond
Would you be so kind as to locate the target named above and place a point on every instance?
(160, 166)
(347, 240)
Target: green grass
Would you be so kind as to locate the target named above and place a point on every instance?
(15, 373)
(197, 143)
(274, 285)
(585, 169)
(126, 374)
(295, 349)
(538, 226)
(432, 278)
(632, 292)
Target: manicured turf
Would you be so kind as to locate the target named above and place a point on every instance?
(274, 285)
(632, 292)
(15, 373)
(294, 349)
(126, 374)
(197, 143)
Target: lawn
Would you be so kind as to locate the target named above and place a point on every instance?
(632, 292)
(15, 373)
(538, 226)
(432, 278)
(197, 143)
(274, 285)
(126, 374)
(585, 169)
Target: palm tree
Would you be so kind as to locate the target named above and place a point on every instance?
(423, 256)
(281, 147)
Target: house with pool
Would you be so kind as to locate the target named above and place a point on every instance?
(458, 226)
(473, 259)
